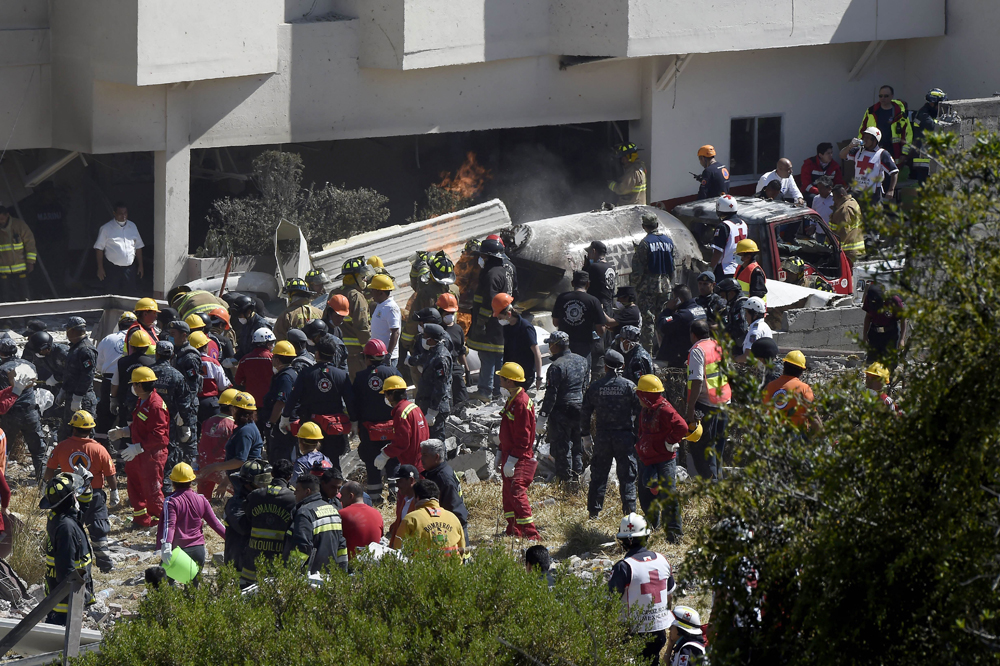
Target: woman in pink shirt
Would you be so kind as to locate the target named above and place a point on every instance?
(183, 511)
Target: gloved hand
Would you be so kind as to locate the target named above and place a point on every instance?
(130, 452)
(84, 473)
(117, 433)
(76, 404)
(60, 398)
(179, 420)
(431, 415)
(165, 553)
(285, 425)
(115, 498)
(229, 363)
(51, 381)
(380, 460)
(540, 422)
(185, 433)
(24, 377)
(508, 467)
(114, 406)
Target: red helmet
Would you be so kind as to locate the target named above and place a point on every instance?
(375, 347)
(496, 237)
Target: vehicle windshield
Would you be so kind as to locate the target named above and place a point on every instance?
(806, 251)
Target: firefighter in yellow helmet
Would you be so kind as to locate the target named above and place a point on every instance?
(630, 188)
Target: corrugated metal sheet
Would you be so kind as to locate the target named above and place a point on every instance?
(395, 244)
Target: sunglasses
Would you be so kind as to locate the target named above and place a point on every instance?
(885, 96)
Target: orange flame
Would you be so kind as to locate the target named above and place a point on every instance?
(469, 180)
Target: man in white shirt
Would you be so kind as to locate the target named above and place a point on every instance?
(754, 311)
(119, 241)
(109, 350)
(789, 190)
(386, 320)
(822, 203)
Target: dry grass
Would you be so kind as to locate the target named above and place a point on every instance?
(27, 556)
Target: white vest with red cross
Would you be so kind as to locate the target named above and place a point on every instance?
(646, 597)
(869, 171)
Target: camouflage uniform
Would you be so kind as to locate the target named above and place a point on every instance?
(614, 438)
(652, 277)
(638, 361)
(563, 398)
(434, 390)
(174, 390)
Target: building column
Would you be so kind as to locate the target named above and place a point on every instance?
(172, 174)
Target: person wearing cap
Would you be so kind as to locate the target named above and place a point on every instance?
(79, 449)
(714, 179)
(733, 321)
(613, 399)
(638, 361)
(485, 332)
(215, 432)
(146, 311)
(405, 477)
(267, 515)
(685, 640)
(183, 513)
(652, 273)
(66, 546)
(520, 340)
(429, 526)
(765, 350)
(23, 416)
(315, 540)
(673, 326)
(603, 275)
(323, 394)
(387, 320)
(447, 305)
(255, 370)
(186, 360)
(713, 304)
(303, 357)
(122, 399)
(661, 430)
(517, 452)
(50, 361)
(877, 383)
(792, 396)
(356, 326)
(559, 415)
(79, 372)
(645, 581)
(625, 312)
(109, 350)
(181, 403)
(707, 396)
(213, 379)
(875, 171)
(582, 317)
(146, 456)
(630, 188)
(374, 415)
(434, 390)
(300, 309)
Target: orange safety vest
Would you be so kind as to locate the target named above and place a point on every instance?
(743, 275)
(719, 390)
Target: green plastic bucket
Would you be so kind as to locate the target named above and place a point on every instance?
(181, 568)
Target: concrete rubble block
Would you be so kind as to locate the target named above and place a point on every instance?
(471, 477)
(830, 318)
(350, 462)
(481, 461)
(451, 443)
(219, 559)
(797, 320)
(115, 609)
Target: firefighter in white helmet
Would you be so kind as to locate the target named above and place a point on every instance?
(645, 582)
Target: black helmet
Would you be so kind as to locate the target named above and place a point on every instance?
(936, 95)
(442, 268)
(59, 489)
(256, 472)
(428, 316)
(314, 328)
(242, 304)
(40, 340)
(728, 284)
(205, 317)
(7, 347)
(491, 248)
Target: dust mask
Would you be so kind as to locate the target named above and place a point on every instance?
(274, 370)
(482, 262)
(505, 393)
(627, 346)
(133, 391)
(420, 328)
(243, 320)
(449, 319)
(389, 402)
(504, 322)
(426, 343)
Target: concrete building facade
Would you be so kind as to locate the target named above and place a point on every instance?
(117, 76)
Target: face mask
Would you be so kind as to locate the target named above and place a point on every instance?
(627, 347)
(449, 319)
(133, 391)
(482, 262)
(243, 320)
(618, 304)
(505, 393)
(420, 328)
(389, 403)
(505, 322)
(274, 370)
(426, 343)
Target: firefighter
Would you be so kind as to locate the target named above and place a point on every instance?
(279, 445)
(109, 350)
(181, 403)
(630, 188)
(447, 305)
(80, 449)
(714, 179)
(317, 280)
(316, 536)
(707, 396)
(926, 120)
(299, 311)
(645, 581)
(661, 429)
(146, 310)
(652, 273)
(374, 415)
(638, 361)
(250, 322)
(614, 438)
(66, 547)
(146, 456)
(441, 280)
(187, 301)
(23, 417)
(357, 323)
(517, 453)
(323, 394)
(18, 255)
(213, 379)
(254, 372)
(267, 516)
(564, 384)
(749, 275)
(409, 428)
(215, 432)
(253, 474)
(123, 400)
(50, 362)
(485, 332)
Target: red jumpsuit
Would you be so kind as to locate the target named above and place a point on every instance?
(409, 429)
(215, 432)
(517, 438)
(255, 373)
(150, 427)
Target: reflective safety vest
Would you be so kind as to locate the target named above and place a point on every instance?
(869, 172)
(719, 391)
(901, 128)
(646, 599)
(743, 275)
(661, 254)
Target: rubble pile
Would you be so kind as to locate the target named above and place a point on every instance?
(473, 441)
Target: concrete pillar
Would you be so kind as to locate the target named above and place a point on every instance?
(172, 174)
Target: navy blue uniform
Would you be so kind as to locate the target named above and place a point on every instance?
(714, 306)
(434, 389)
(245, 343)
(245, 443)
(173, 389)
(714, 181)
(638, 362)
(451, 491)
(614, 438)
(53, 365)
(456, 337)
(564, 382)
(237, 531)
(24, 417)
(280, 446)
(323, 389)
(126, 399)
(78, 380)
(518, 339)
(373, 410)
(674, 327)
(303, 361)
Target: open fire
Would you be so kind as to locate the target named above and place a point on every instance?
(468, 181)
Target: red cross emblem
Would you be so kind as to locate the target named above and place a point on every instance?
(631, 527)
(654, 586)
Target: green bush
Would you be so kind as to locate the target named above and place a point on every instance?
(431, 610)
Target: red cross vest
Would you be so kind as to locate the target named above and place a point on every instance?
(645, 601)
(869, 171)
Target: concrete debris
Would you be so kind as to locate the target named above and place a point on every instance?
(451, 443)
(351, 462)
(481, 461)
(471, 477)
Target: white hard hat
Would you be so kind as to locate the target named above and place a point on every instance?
(687, 620)
(263, 335)
(755, 304)
(726, 204)
(633, 525)
(875, 132)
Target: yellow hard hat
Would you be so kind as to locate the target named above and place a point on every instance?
(128, 316)
(146, 304)
(511, 371)
(309, 430)
(695, 435)
(375, 262)
(140, 339)
(381, 283)
(649, 384)
(393, 383)
(226, 397)
(143, 374)
(746, 245)
(182, 473)
(198, 339)
(82, 419)
(284, 348)
(876, 369)
(194, 322)
(244, 400)
(796, 358)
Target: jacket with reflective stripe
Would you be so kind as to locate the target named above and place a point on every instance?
(751, 284)
(67, 549)
(316, 535)
(902, 130)
(17, 247)
(267, 515)
(719, 390)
